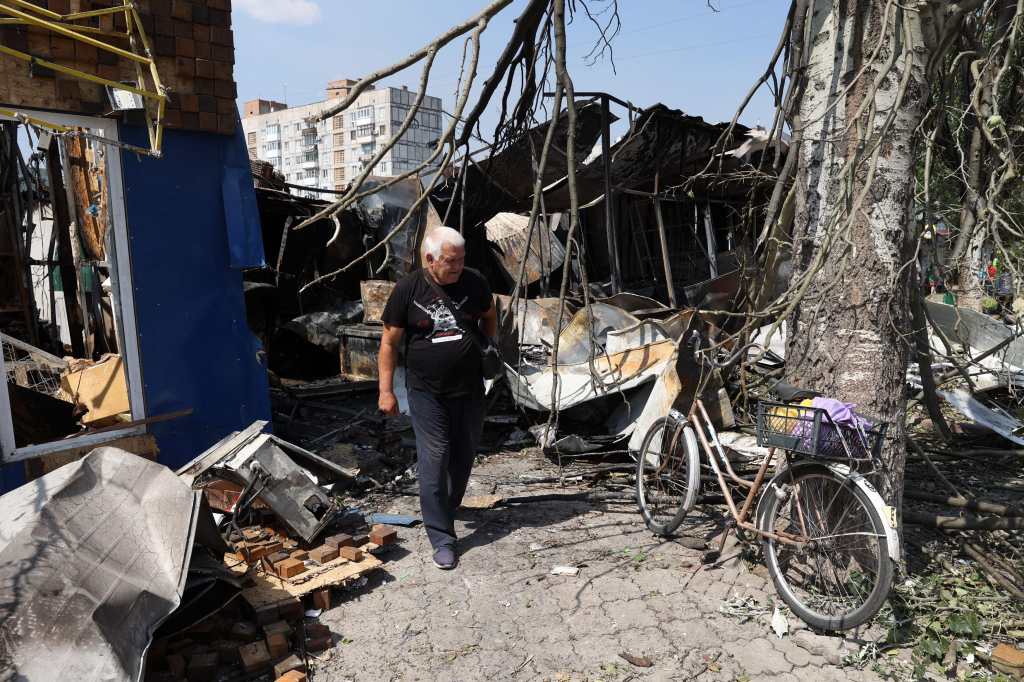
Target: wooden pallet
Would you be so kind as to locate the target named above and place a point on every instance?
(270, 589)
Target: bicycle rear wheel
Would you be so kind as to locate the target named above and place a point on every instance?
(667, 475)
(841, 577)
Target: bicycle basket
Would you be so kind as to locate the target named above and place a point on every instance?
(810, 431)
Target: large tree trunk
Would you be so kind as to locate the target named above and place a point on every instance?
(853, 233)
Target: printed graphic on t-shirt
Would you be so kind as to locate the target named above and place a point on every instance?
(446, 327)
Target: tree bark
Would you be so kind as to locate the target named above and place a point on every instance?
(853, 233)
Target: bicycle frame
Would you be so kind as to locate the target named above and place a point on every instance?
(716, 455)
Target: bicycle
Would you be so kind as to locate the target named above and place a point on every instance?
(828, 538)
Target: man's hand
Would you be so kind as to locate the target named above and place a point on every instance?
(388, 403)
(386, 360)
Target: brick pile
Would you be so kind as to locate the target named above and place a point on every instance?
(234, 640)
(268, 640)
(280, 555)
(194, 47)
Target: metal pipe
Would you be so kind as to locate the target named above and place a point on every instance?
(758, 480)
(665, 263)
(609, 213)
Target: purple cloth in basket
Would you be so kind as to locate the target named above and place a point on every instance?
(829, 444)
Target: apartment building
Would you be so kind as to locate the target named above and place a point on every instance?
(329, 154)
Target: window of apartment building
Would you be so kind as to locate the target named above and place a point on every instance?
(339, 122)
(364, 130)
(251, 140)
(323, 173)
(273, 145)
(381, 129)
(363, 113)
(398, 113)
(273, 130)
(339, 157)
(339, 139)
(339, 174)
(309, 156)
(309, 139)
(352, 135)
(298, 126)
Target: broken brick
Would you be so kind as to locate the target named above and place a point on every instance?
(227, 651)
(322, 599)
(360, 540)
(292, 663)
(244, 630)
(257, 551)
(319, 644)
(267, 614)
(289, 568)
(277, 557)
(317, 630)
(280, 626)
(291, 610)
(300, 554)
(323, 554)
(277, 644)
(255, 657)
(352, 553)
(292, 676)
(340, 540)
(203, 666)
(383, 535)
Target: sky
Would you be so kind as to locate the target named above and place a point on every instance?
(683, 53)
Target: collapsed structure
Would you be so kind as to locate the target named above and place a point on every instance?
(659, 239)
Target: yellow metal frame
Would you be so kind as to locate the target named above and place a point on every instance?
(22, 12)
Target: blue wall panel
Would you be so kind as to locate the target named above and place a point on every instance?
(196, 348)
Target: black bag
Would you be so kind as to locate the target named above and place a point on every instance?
(490, 359)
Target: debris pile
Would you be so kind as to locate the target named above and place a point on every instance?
(227, 563)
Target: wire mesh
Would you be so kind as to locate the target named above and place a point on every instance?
(30, 372)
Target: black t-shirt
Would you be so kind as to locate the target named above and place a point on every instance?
(441, 355)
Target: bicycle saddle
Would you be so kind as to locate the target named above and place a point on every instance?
(788, 393)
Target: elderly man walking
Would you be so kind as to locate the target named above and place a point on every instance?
(438, 314)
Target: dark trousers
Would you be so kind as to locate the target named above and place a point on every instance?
(447, 432)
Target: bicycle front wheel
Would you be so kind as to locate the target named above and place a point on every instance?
(840, 576)
(667, 475)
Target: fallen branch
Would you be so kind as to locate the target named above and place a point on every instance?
(962, 522)
(975, 553)
(924, 455)
(966, 503)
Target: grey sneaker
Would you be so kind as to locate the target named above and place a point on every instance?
(444, 558)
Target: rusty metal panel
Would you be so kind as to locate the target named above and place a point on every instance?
(544, 253)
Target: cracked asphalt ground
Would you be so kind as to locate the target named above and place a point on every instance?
(501, 615)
